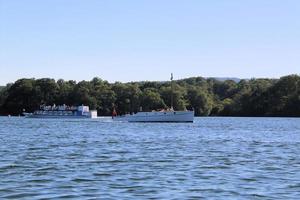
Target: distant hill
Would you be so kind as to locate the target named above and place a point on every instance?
(227, 78)
(1, 87)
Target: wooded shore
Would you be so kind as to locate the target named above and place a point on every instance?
(207, 96)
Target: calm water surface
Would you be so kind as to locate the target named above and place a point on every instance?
(213, 158)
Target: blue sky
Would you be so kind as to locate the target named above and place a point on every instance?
(148, 39)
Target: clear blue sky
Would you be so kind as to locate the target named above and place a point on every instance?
(148, 39)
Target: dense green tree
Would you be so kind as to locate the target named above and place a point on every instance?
(104, 95)
(225, 89)
(82, 95)
(3, 95)
(21, 95)
(127, 97)
(200, 101)
(255, 97)
(283, 95)
(179, 93)
(65, 92)
(46, 90)
(152, 100)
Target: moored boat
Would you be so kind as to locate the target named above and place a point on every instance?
(169, 115)
(62, 112)
(158, 116)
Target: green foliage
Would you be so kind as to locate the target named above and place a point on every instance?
(179, 93)
(21, 95)
(3, 94)
(127, 97)
(255, 97)
(200, 100)
(151, 100)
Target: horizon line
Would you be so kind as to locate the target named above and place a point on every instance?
(180, 78)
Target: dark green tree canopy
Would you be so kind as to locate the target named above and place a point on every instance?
(254, 97)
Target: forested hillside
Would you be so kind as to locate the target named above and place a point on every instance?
(255, 97)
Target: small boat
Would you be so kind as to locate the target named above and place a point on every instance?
(62, 112)
(169, 115)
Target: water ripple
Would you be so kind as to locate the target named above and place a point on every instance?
(214, 158)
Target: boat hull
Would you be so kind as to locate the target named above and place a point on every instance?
(168, 116)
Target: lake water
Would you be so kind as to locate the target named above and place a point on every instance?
(214, 158)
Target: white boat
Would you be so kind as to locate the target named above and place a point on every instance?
(62, 112)
(158, 116)
(169, 115)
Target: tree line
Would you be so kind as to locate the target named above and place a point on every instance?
(206, 96)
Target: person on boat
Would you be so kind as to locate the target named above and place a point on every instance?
(114, 113)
